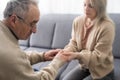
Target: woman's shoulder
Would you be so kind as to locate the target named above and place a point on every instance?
(107, 22)
(107, 25)
(79, 18)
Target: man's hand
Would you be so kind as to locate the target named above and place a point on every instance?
(49, 55)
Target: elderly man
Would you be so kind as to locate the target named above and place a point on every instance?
(20, 18)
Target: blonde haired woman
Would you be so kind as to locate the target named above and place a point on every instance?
(91, 43)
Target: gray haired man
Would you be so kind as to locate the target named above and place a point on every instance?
(20, 18)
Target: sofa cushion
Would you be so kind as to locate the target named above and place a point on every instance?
(37, 49)
(117, 69)
(116, 44)
(44, 35)
(62, 32)
(24, 44)
(72, 64)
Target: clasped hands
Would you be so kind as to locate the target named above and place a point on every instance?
(60, 54)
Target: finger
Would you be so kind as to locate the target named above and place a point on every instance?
(61, 51)
(55, 51)
(66, 53)
(50, 58)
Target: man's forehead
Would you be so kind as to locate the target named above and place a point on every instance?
(33, 14)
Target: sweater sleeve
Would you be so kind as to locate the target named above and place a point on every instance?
(23, 67)
(50, 72)
(35, 57)
(47, 73)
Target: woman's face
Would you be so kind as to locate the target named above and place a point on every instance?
(89, 10)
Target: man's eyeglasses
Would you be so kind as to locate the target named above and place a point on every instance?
(29, 24)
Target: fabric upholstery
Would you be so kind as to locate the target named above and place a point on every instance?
(116, 45)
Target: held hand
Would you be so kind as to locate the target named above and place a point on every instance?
(49, 55)
(70, 55)
(62, 57)
(66, 55)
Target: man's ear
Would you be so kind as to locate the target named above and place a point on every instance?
(13, 20)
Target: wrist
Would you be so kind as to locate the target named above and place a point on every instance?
(77, 55)
(44, 58)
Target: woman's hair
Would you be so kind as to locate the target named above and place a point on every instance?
(18, 7)
(100, 7)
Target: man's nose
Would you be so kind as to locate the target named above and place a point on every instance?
(34, 29)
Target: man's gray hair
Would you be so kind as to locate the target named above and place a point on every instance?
(18, 7)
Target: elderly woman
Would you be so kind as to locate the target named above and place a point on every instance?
(91, 43)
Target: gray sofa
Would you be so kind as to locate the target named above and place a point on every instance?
(54, 31)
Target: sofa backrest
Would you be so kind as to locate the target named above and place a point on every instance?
(53, 31)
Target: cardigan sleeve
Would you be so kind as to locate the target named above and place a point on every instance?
(24, 68)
